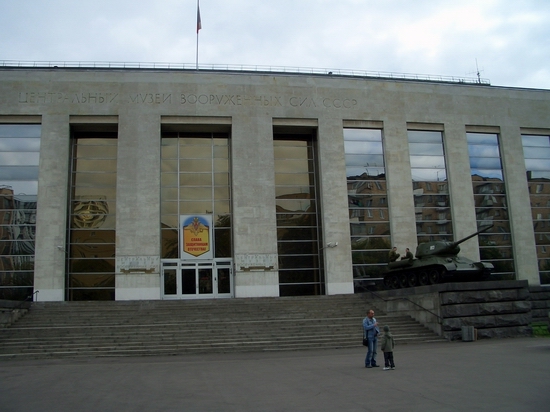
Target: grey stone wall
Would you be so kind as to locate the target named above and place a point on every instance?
(504, 310)
(495, 309)
(540, 303)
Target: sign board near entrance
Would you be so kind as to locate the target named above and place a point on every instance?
(196, 237)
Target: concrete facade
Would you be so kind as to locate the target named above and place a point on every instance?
(138, 103)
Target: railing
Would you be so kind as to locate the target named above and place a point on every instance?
(245, 68)
(11, 311)
(439, 318)
(29, 298)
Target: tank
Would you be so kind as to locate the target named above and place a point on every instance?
(436, 262)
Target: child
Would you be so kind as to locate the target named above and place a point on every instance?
(386, 344)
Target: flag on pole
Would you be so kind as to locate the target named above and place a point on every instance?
(199, 25)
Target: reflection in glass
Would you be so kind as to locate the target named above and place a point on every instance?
(170, 281)
(92, 218)
(224, 280)
(430, 186)
(429, 150)
(495, 245)
(536, 151)
(427, 162)
(298, 239)
(205, 280)
(195, 180)
(19, 153)
(367, 203)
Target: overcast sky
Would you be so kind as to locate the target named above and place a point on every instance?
(509, 38)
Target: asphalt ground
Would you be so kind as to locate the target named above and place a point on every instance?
(488, 375)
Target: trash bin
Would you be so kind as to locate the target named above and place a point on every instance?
(468, 334)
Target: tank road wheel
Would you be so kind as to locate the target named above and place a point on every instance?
(403, 280)
(392, 282)
(423, 278)
(434, 276)
(413, 279)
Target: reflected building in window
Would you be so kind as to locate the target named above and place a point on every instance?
(495, 245)
(367, 202)
(536, 152)
(432, 206)
(19, 155)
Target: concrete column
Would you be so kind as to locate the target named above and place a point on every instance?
(519, 205)
(138, 207)
(399, 180)
(334, 206)
(51, 215)
(253, 196)
(460, 188)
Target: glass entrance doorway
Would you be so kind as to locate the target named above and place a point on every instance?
(196, 280)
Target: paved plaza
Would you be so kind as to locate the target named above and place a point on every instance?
(489, 375)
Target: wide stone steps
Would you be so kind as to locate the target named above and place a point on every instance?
(84, 329)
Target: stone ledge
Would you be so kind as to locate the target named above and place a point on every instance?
(493, 308)
(455, 287)
(451, 298)
(494, 321)
(509, 332)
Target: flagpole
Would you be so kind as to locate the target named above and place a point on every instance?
(198, 28)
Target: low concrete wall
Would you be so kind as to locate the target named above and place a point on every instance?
(540, 302)
(494, 309)
(11, 311)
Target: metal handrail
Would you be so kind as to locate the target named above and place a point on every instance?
(29, 298)
(243, 68)
(439, 318)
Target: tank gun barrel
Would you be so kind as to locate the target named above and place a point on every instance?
(442, 248)
(458, 242)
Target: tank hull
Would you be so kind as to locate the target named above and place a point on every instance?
(432, 270)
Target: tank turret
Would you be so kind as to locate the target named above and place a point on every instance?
(436, 262)
(442, 248)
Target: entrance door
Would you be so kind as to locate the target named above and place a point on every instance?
(196, 280)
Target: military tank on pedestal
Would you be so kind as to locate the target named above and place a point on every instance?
(436, 262)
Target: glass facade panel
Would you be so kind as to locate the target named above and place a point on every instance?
(495, 245)
(367, 204)
(195, 180)
(298, 227)
(430, 186)
(92, 220)
(19, 153)
(536, 151)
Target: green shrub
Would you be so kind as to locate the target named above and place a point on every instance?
(540, 329)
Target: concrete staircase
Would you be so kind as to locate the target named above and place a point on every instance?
(138, 328)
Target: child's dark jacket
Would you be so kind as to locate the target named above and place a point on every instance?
(387, 342)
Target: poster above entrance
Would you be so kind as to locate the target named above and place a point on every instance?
(196, 237)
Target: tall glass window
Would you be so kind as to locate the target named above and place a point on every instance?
(195, 180)
(367, 203)
(536, 150)
(430, 186)
(19, 153)
(92, 220)
(491, 205)
(298, 226)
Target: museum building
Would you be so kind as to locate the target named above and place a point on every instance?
(152, 183)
